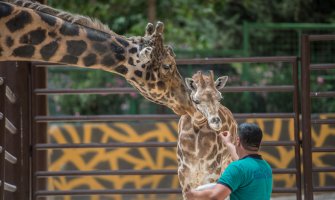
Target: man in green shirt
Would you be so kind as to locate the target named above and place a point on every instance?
(249, 177)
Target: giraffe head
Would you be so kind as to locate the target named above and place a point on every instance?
(152, 52)
(160, 80)
(206, 96)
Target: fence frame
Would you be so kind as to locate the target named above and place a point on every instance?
(40, 119)
(8, 159)
(307, 122)
(34, 102)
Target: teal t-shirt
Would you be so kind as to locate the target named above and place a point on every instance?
(248, 178)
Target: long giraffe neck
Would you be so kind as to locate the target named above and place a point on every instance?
(32, 35)
(34, 32)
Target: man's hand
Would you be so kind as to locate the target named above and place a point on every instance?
(218, 192)
(189, 195)
(226, 137)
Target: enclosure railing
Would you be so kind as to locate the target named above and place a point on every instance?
(6, 127)
(307, 121)
(41, 119)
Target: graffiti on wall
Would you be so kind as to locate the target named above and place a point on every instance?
(163, 157)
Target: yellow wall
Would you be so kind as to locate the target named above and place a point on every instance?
(162, 158)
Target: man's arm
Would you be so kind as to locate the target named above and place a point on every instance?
(218, 192)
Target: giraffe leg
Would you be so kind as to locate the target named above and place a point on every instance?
(186, 188)
(183, 176)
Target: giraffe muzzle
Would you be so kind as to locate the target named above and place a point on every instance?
(215, 120)
(215, 123)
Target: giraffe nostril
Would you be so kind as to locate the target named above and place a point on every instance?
(215, 120)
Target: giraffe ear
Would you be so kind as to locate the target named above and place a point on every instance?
(221, 82)
(170, 50)
(190, 84)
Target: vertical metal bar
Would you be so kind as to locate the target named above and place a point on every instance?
(33, 134)
(306, 118)
(23, 120)
(297, 127)
(2, 136)
(39, 130)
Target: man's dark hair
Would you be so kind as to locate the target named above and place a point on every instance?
(250, 136)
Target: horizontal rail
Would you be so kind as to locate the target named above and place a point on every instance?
(322, 94)
(324, 169)
(284, 171)
(137, 145)
(10, 127)
(106, 192)
(105, 118)
(10, 95)
(201, 61)
(284, 190)
(124, 90)
(105, 172)
(9, 187)
(270, 88)
(9, 157)
(263, 115)
(321, 37)
(130, 172)
(134, 117)
(106, 145)
(323, 121)
(324, 189)
(131, 191)
(322, 66)
(127, 90)
(279, 143)
(204, 61)
(323, 149)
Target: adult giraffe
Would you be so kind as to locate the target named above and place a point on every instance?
(34, 32)
(201, 154)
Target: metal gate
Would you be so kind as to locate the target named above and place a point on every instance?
(14, 131)
(41, 120)
(307, 121)
(6, 126)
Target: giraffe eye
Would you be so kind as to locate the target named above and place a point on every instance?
(166, 66)
(196, 101)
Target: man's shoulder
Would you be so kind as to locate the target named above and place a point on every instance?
(238, 165)
(249, 161)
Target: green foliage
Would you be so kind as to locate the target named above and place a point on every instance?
(197, 28)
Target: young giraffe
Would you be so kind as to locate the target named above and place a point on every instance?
(34, 32)
(200, 151)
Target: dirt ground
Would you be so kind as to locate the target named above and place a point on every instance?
(324, 196)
